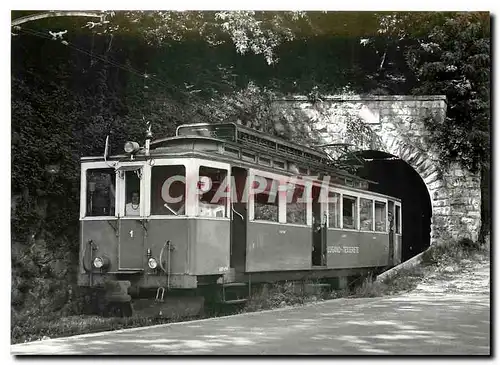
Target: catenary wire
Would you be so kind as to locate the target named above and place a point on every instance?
(107, 60)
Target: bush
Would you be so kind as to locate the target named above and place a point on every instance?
(469, 245)
(283, 294)
(369, 289)
(403, 281)
(450, 252)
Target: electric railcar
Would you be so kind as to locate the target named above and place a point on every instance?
(222, 205)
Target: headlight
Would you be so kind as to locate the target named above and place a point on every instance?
(101, 262)
(131, 147)
(98, 262)
(152, 263)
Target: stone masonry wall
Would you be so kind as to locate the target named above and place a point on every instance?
(394, 124)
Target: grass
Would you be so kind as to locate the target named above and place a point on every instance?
(446, 255)
(405, 280)
(275, 296)
(30, 328)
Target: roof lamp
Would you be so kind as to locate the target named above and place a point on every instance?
(131, 147)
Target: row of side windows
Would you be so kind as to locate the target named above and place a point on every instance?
(266, 203)
(349, 215)
(168, 194)
(341, 207)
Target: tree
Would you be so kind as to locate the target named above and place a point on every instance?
(449, 53)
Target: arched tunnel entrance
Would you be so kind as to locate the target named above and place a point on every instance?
(396, 178)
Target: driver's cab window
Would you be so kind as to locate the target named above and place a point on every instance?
(132, 193)
(101, 188)
(168, 190)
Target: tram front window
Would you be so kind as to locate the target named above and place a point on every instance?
(168, 190)
(101, 192)
(132, 193)
(211, 192)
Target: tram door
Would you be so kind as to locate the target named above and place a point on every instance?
(318, 230)
(391, 233)
(239, 216)
(131, 230)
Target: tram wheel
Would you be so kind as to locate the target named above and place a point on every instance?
(118, 309)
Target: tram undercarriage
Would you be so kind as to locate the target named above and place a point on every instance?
(115, 297)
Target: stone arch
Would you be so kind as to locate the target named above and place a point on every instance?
(395, 177)
(395, 125)
(417, 159)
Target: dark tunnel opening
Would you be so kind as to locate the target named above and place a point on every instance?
(396, 178)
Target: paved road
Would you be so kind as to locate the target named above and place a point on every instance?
(425, 321)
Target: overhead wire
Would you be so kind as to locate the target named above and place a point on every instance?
(130, 69)
(107, 60)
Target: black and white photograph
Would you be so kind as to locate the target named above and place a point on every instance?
(250, 183)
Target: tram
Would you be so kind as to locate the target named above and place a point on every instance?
(222, 206)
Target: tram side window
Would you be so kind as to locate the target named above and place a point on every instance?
(333, 209)
(296, 206)
(132, 193)
(349, 211)
(210, 203)
(366, 214)
(398, 219)
(380, 214)
(168, 190)
(266, 207)
(101, 188)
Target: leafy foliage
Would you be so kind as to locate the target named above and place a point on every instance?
(455, 60)
(258, 32)
(449, 53)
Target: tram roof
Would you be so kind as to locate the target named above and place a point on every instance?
(257, 141)
(237, 135)
(244, 138)
(243, 135)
